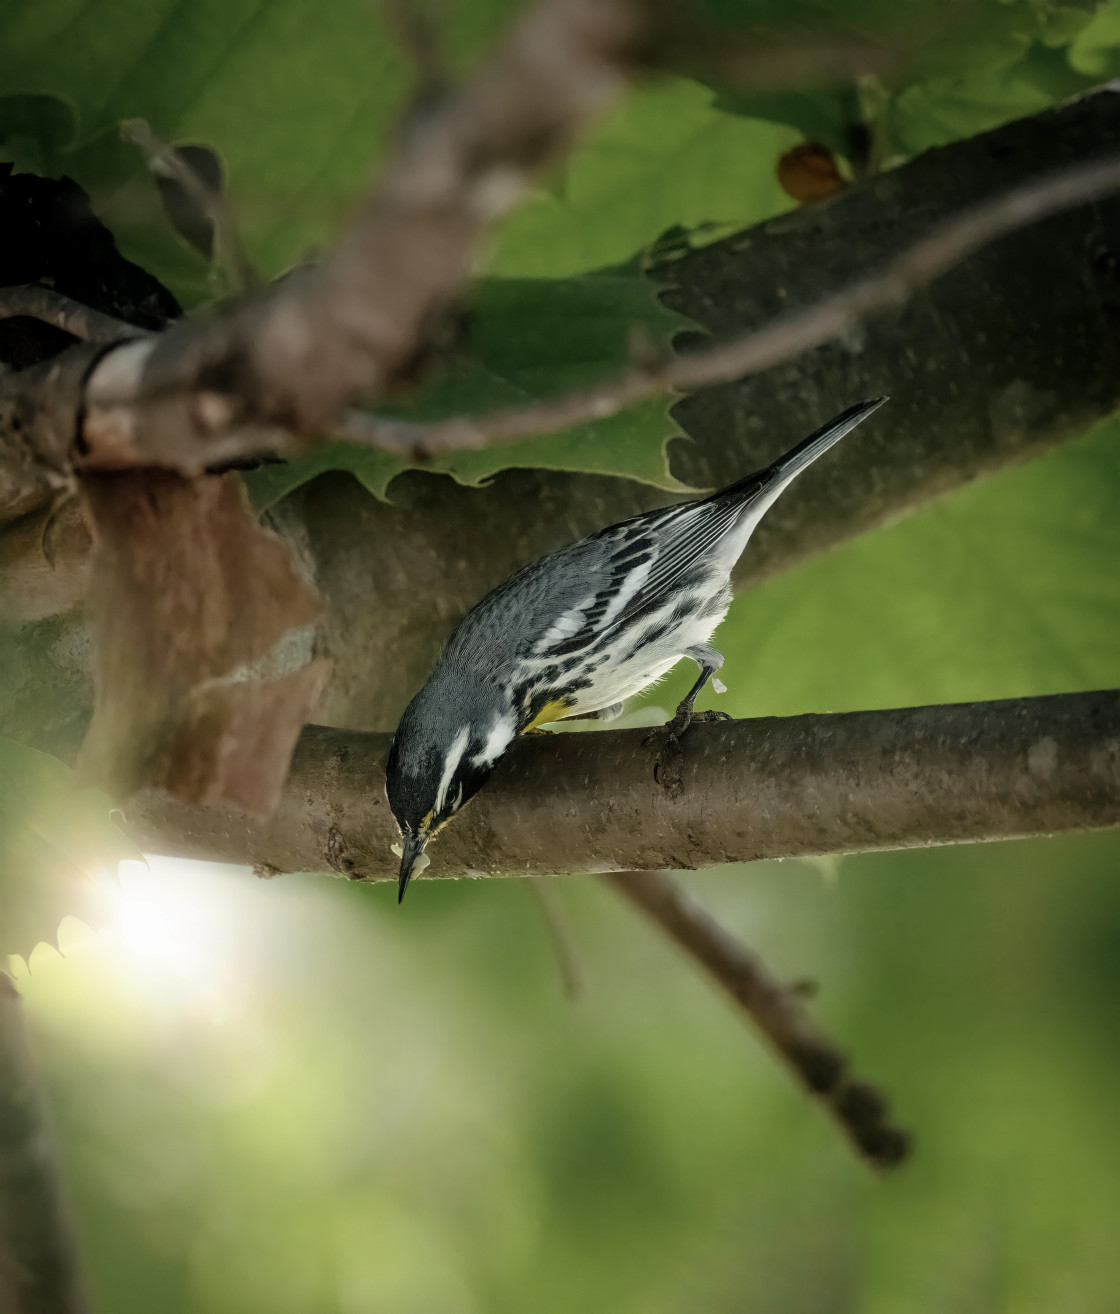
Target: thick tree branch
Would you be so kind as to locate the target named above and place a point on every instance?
(601, 801)
(822, 1068)
(39, 1268)
(760, 349)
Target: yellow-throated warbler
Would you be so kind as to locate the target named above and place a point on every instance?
(574, 634)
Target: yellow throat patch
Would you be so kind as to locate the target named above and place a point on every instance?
(554, 711)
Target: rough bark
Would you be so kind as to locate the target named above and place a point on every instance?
(605, 801)
(39, 1268)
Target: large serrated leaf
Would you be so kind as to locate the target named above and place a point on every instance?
(55, 835)
(529, 339)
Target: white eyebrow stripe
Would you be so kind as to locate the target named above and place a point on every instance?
(451, 765)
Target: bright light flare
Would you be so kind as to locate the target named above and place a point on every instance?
(173, 920)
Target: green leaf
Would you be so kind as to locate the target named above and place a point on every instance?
(668, 156)
(54, 836)
(946, 109)
(529, 339)
(298, 100)
(1095, 50)
(964, 70)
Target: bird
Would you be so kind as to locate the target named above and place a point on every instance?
(576, 633)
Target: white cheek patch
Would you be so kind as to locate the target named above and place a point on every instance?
(499, 739)
(450, 766)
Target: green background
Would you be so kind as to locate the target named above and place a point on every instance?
(294, 1096)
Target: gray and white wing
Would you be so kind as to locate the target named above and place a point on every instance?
(635, 568)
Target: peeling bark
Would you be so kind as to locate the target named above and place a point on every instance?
(185, 699)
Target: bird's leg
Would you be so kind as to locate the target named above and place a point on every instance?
(709, 660)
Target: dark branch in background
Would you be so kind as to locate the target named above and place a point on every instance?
(859, 1108)
(567, 803)
(39, 1267)
(760, 349)
(1011, 352)
(115, 439)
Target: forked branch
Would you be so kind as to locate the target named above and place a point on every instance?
(822, 1068)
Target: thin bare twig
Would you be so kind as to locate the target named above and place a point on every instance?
(822, 1068)
(165, 161)
(418, 35)
(64, 313)
(758, 349)
(560, 937)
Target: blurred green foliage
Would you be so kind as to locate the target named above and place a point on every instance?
(349, 1109)
(56, 838)
(293, 1097)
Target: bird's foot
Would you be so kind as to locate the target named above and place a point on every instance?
(669, 734)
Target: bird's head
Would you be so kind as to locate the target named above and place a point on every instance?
(449, 740)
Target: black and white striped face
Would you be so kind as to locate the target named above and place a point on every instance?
(437, 762)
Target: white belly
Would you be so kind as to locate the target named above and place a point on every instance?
(617, 681)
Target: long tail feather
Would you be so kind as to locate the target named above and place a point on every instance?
(805, 453)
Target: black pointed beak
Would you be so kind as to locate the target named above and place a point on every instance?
(411, 848)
